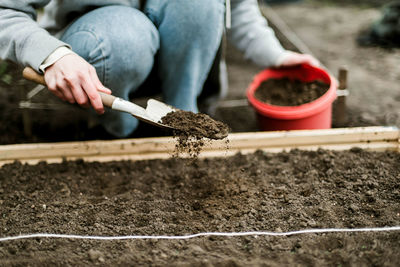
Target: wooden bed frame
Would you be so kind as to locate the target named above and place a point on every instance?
(370, 138)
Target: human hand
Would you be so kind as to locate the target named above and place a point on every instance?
(293, 58)
(73, 79)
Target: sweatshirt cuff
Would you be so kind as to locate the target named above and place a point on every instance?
(54, 57)
(282, 58)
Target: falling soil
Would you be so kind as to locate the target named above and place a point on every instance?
(191, 128)
(256, 192)
(288, 92)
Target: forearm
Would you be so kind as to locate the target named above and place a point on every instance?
(251, 34)
(22, 39)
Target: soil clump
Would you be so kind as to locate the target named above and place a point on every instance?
(191, 128)
(255, 192)
(289, 92)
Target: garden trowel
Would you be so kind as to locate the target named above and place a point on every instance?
(152, 114)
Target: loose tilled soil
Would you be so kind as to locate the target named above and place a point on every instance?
(261, 191)
(288, 92)
(190, 129)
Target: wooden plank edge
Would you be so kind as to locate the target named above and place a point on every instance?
(376, 146)
(373, 138)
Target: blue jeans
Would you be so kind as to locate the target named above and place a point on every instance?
(122, 43)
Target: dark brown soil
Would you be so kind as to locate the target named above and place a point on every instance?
(261, 191)
(196, 124)
(191, 128)
(288, 92)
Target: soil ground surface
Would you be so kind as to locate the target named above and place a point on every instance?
(287, 92)
(261, 191)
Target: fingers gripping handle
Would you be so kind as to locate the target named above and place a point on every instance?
(31, 75)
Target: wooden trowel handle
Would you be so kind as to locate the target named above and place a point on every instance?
(31, 75)
(107, 100)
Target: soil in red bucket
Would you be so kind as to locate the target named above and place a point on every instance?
(289, 92)
(191, 128)
(256, 192)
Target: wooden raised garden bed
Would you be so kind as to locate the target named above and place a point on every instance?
(349, 179)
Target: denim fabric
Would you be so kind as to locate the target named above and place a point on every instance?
(122, 43)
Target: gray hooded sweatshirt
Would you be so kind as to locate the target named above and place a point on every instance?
(29, 43)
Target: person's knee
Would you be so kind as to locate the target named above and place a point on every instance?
(133, 42)
(119, 41)
(132, 55)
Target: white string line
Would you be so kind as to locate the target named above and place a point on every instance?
(206, 234)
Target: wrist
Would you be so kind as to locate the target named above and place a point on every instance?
(56, 55)
(283, 57)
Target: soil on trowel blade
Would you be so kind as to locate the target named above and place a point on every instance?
(288, 92)
(191, 128)
(257, 192)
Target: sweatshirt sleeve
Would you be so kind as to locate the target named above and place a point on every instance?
(22, 40)
(251, 34)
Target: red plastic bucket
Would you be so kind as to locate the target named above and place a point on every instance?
(313, 115)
